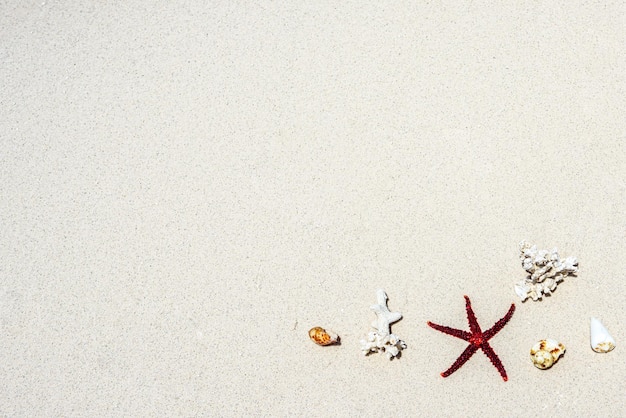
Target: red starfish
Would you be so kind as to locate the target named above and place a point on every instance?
(476, 338)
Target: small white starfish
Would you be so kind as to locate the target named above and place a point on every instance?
(384, 317)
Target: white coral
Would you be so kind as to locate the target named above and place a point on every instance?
(390, 344)
(382, 340)
(545, 270)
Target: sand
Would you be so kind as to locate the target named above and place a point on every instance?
(186, 189)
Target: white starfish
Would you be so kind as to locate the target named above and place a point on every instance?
(384, 317)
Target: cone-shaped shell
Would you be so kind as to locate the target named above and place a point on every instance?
(601, 340)
(322, 337)
(546, 352)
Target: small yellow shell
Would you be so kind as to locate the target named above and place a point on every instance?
(322, 337)
(545, 353)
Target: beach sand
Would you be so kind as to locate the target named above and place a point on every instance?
(187, 189)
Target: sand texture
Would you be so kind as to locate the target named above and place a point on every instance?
(187, 188)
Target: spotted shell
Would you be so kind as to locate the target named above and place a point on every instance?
(322, 337)
(546, 352)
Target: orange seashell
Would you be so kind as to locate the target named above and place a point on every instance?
(322, 337)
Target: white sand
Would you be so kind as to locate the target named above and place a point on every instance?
(186, 190)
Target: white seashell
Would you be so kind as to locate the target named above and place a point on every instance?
(601, 340)
(322, 337)
(546, 352)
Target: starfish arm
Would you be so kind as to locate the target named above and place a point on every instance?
(499, 325)
(465, 355)
(458, 333)
(495, 360)
(471, 317)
